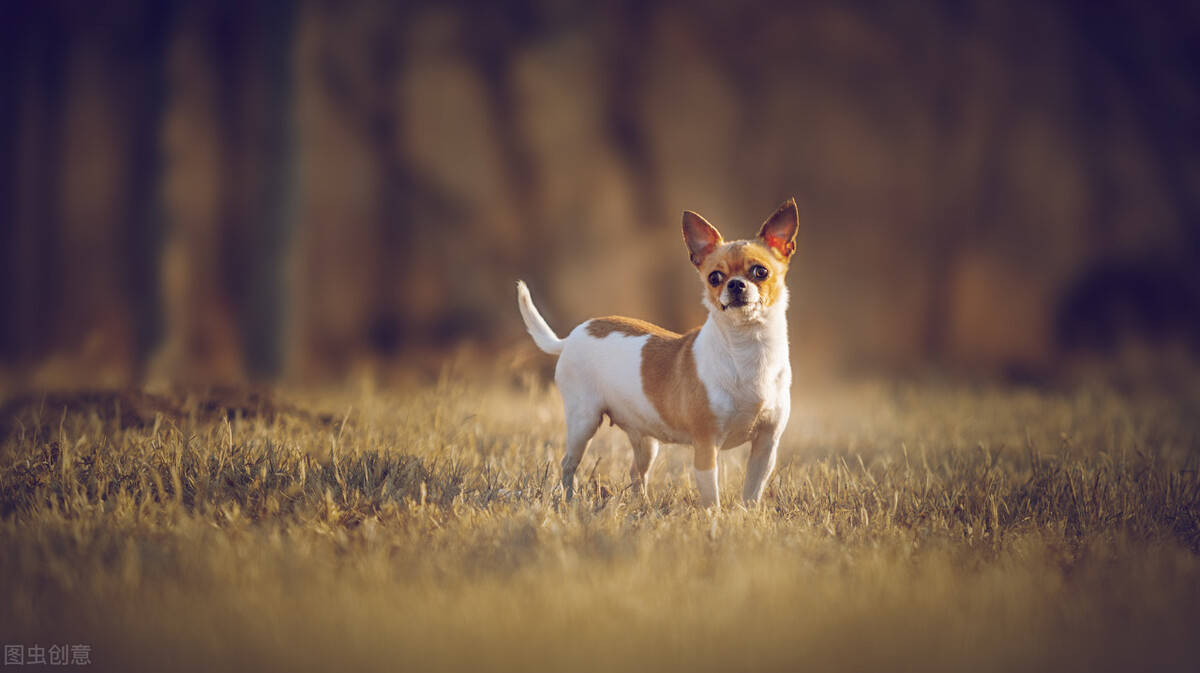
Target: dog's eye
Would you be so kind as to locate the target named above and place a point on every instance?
(715, 278)
(759, 272)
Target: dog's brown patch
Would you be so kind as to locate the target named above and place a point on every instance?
(602, 327)
(672, 383)
(669, 376)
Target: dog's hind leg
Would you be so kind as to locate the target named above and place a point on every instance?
(582, 421)
(645, 450)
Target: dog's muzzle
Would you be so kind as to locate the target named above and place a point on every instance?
(737, 293)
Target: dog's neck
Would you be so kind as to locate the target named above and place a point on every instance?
(747, 351)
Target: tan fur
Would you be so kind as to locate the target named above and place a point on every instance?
(602, 327)
(669, 376)
(673, 386)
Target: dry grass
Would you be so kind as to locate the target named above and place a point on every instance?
(930, 527)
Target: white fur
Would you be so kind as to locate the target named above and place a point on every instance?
(605, 375)
(742, 359)
(741, 356)
(543, 336)
(706, 483)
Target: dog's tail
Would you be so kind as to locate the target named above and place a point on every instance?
(543, 336)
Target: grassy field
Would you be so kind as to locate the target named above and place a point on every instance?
(931, 526)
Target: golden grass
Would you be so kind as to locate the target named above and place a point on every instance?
(919, 527)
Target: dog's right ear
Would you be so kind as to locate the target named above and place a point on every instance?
(700, 236)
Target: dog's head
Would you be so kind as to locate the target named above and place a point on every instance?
(744, 280)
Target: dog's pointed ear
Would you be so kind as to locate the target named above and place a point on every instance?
(700, 236)
(779, 231)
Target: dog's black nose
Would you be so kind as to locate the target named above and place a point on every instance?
(736, 285)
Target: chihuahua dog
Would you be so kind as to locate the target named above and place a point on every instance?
(716, 387)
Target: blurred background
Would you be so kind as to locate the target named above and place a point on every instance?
(232, 191)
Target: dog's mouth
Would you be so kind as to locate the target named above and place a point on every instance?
(736, 302)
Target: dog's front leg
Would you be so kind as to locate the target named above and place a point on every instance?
(761, 463)
(705, 468)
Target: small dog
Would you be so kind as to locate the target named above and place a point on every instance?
(716, 387)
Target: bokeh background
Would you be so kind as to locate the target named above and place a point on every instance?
(231, 191)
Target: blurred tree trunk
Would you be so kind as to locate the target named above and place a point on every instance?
(492, 35)
(950, 216)
(251, 50)
(384, 121)
(971, 104)
(143, 51)
(625, 36)
(1094, 110)
(1118, 44)
(263, 312)
(362, 65)
(31, 259)
(12, 59)
(361, 72)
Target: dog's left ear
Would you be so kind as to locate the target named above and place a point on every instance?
(779, 231)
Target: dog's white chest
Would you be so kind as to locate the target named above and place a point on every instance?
(748, 383)
(741, 409)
